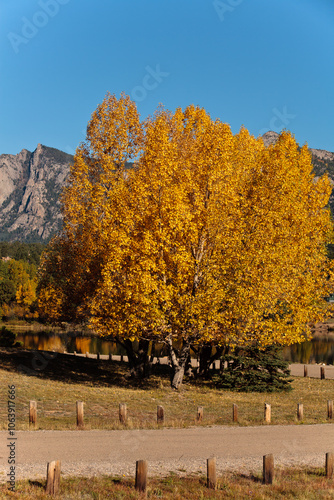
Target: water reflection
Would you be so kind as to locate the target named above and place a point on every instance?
(68, 343)
(313, 351)
(320, 350)
(42, 342)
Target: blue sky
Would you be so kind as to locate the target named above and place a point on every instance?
(264, 64)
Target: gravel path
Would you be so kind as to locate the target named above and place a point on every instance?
(297, 369)
(313, 370)
(183, 451)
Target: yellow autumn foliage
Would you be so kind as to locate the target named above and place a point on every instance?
(26, 293)
(210, 237)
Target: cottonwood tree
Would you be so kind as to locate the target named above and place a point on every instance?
(71, 266)
(211, 239)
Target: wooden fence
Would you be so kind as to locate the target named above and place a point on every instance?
(160, 415)
(141, 478)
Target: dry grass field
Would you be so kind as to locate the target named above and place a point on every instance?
(297, 484)
(103, 385)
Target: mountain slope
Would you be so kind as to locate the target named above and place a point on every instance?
(31, 183)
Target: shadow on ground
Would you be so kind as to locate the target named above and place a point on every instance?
(75, 369)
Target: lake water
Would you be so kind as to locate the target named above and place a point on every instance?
(318, 350)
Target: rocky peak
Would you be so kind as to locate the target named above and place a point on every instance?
(29, 199)
(270, 137)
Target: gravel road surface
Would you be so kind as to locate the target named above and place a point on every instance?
(183, 451)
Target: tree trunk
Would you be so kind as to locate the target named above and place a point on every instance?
(206, 358)
(178, 374)
(178, 363)
(138, 361)
(189, 369)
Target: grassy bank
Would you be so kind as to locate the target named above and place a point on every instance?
(302, 484)
(56, 384)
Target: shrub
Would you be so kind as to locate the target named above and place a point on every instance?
(253, 369)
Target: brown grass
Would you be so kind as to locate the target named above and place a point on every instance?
(103, 385)
(297, 483)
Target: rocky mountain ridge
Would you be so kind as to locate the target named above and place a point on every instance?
(320, 155)
(31, 183)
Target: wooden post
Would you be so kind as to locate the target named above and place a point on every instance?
(32, 414)
(322, 372)
(268, 469)
(160, 415)
(267, 413)
(122, 359)
(300, 411)
(141, 475)
(122, 413)
(211, 473)
(305, 371)
(87, 354)
(329, 465)
(235, 413)
(110, 356)
(330, 409)
(98, 356)
(199, 417)
(80, 414)
(53, 477)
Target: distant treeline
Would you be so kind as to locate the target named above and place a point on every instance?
(28, 252)
(18, 279)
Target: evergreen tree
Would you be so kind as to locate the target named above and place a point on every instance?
(252, 369)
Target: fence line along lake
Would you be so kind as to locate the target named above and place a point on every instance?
(317, 350)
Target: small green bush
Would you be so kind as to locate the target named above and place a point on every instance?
(253, 369)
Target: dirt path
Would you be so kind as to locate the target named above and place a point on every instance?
(183, 451)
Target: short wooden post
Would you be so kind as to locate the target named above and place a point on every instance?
(329, 465)
(122, 413)
(330, 409)
(110, 356)
(305, 371)
(80, 414)
(235, 413)
(122, 358)
(199, 417)
(75, 353)
(300, 411)
(53, 477)
(98, 356)
(32, 414)
(268, 469)
(322, 372)
(160, 415)
(211, 473)
(87, 354)
(267, 413)
(141, 475)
